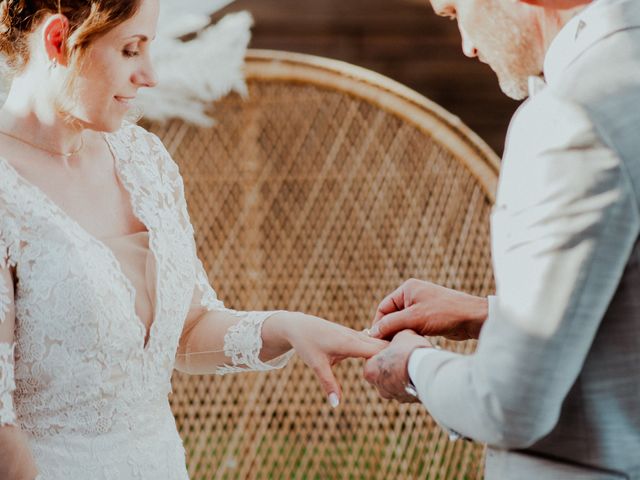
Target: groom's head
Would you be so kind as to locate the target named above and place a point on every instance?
(511, 36)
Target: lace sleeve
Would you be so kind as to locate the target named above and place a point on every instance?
(242, 342)
(240, 347)
(7, 384)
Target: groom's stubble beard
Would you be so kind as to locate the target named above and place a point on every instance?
(509, 43)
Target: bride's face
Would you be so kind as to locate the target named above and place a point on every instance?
(114, 68)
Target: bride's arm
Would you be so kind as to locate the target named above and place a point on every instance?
(219, 340)
(216, 342)
(16, 461)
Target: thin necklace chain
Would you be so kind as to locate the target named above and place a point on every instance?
(51, 152)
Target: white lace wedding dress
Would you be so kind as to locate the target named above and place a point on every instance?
(80, 377)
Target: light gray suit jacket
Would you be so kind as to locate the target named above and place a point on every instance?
(554, 386)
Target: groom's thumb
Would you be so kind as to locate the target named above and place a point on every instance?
(329, 383)
(395, 322)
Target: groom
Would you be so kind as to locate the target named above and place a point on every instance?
(554, 386)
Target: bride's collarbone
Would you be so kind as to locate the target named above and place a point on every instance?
(86, 189)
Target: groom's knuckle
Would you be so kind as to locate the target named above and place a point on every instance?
(418, 317)
(369, 373)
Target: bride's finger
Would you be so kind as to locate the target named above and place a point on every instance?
(328, 382)
(360, 345)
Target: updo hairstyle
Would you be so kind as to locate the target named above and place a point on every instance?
(88, 20)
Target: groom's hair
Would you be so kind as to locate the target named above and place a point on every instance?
(88, 20)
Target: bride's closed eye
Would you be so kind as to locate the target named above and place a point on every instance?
(129, 53)
(132, 49)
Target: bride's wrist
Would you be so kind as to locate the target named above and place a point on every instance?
(280, 330)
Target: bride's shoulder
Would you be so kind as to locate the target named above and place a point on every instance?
(134, 141)
(134, 136)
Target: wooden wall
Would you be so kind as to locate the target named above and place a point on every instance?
(402, 39)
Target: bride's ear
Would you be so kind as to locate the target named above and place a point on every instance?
(54, 35)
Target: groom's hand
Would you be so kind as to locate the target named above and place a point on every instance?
(387, 370)
(430, 310)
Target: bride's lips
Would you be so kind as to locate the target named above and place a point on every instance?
(124, 100)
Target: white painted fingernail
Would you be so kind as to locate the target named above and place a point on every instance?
(334, 401)
(374, 331)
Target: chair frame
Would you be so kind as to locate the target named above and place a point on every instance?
(389, 95)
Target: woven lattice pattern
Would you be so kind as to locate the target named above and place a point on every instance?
(307, 198)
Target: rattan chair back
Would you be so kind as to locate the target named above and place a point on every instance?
(321, 192)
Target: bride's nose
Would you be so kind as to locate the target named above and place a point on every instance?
(146, 76)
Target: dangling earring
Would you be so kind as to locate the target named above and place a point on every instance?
(53, 64)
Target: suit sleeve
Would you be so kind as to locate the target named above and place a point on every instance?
(563, 228)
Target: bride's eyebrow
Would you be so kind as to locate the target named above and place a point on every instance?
(140, 37)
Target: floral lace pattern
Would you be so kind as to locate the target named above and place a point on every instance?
(89, 392)
(4, 300)
(243, 342)
(7, 385)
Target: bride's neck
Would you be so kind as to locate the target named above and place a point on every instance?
(30, 113)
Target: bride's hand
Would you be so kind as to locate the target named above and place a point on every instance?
(322, 344)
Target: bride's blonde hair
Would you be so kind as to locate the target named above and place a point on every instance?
(88, 20)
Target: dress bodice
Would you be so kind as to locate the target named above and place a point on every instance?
(98, 321)
(138, 265)
(76, 307)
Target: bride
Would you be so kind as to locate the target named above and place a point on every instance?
(102, 294)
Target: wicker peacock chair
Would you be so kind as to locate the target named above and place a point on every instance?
(322, 192)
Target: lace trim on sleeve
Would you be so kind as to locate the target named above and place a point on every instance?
(7, 385)
(243, 343)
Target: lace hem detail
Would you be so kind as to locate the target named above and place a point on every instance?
(7, 385)
(243, 343)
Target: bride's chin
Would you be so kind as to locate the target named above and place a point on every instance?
(109, 125)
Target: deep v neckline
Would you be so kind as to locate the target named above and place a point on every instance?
(147, 335)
